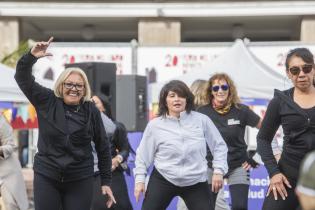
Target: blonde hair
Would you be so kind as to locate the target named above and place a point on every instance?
(199, 90)
(233, 97)
(64, 75)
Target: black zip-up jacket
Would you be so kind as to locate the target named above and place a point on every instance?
(61, 155)
(299, 134)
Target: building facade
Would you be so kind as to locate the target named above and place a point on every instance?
(155, 22)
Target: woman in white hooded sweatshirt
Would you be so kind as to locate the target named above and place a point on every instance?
(175, 142)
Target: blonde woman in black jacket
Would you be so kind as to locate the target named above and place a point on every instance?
(68, 122)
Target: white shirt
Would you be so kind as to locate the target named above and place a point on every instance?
(177, 147)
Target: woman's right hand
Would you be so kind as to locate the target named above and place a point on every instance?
(277, 185)
(217, 182)
(139, 188)
(39, 49)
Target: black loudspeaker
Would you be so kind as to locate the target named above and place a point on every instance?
(131, 103)
(102, 79)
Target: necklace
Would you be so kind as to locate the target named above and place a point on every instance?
(77, 108)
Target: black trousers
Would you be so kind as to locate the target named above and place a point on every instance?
(291, 202)
(50, 194)
(239, 196)
(120, 191)
(160, 193)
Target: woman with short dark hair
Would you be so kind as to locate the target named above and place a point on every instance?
(176, 142)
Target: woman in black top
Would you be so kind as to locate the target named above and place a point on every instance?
(231, 118)
(68, 122)
(120, 148)
(294, 110)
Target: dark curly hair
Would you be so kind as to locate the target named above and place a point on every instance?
(182, 90)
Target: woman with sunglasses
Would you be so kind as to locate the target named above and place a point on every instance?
(176, 142)
(294, 110)
(231, 117)
(68, 122)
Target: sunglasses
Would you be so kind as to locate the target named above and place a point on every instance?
(222, 87)
(295, 70)
(69, 86)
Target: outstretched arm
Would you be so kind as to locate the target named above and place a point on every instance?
(35, 93)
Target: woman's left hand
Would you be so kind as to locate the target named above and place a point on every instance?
(107, 191)
(217, 182)
(246, 166)
(116, 162)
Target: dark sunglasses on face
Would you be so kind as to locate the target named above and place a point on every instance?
(295, 70)
(69, 86)
(222, 87)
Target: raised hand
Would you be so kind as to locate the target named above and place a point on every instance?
(39, 49)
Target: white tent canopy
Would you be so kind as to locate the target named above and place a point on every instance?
(9, 90)
(253, 79)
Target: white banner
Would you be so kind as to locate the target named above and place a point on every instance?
(51, 67)
(274, 55)
(168, 62)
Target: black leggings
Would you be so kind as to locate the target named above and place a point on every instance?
(291, 202)
(160, 193)
(239, 196)
(120, 192)
(50, 194)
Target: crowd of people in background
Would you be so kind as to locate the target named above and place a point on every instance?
(195, 143)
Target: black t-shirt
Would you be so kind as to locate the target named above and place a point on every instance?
(232, 128)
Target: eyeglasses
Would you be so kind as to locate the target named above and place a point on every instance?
(69, 86)
(222, 87)
(295, 70)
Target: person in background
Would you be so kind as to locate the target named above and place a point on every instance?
(120, 152)
(12, 185)
(176, 142)
(305, 189)
(68, 121)
(198, 89)
(99, 200)
(294, 109)
(231, 118)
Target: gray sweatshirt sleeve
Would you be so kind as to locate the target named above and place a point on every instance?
(108, 124)
(217, 147)
(144, 155)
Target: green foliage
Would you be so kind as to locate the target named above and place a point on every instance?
(11, 59)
